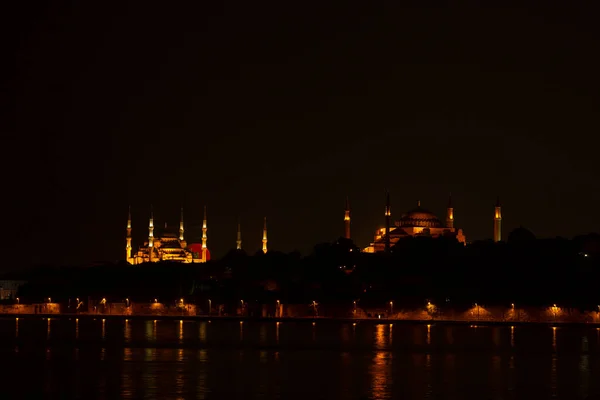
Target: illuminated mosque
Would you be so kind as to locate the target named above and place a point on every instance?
(172, 246)
(417, 222)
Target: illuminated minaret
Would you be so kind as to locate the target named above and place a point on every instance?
(239, 237)
(128, 246)
(497, 221)
(347, 220)
(151, 234)
(264, 239)
(388, 217)
(181, 225)
(450, 214)
(204, 229)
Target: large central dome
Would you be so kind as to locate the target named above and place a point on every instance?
(419, 217)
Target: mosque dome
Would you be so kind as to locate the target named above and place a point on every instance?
(420, 217)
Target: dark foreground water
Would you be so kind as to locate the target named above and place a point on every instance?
(85, 358)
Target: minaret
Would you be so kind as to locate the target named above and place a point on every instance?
(264, 239)
(239, 237)
(450, 214)
(151, 235)
(181, 226)
(204, 229)
(497, 221)
(388, 217)
(347, 220)
(128, 246)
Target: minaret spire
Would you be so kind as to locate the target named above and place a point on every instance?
(128, 245)
(497, 221)
(151, 234)
(239, 237)
(450, 213)
(204, 238)
(181, 231)
(388, 216)
(347, 220)
(264, 239)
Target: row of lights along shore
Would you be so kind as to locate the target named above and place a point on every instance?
(431, 308)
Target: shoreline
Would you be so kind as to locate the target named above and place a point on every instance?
(370, 321)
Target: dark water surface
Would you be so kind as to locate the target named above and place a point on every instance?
(137, 359)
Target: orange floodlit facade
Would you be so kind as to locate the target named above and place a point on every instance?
(169, 246)
(416, 222)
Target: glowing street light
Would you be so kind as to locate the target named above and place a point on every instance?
(391, 308)
(209, 306)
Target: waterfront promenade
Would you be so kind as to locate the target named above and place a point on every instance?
(477, 315)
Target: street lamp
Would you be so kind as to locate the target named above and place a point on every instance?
(209, 306)
(391, 308)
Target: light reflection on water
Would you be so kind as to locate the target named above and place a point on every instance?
(294, 360)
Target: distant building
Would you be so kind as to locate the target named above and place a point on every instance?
(9, 289)
(420, 222)
(169, 246)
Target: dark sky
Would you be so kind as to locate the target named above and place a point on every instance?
(282, 111)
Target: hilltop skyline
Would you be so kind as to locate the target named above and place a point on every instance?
(284, 112)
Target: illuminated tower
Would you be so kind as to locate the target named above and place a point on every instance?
(347, 220)
(128, 246)
(181, 225)
(450, 214)
(151, 235)
(264, 239)
(388, 217)
(239, 237)
(204, 229)
(497, 221)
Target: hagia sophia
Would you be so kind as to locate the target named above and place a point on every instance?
(417, 222)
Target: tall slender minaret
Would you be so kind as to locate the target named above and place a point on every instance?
(497, 221)
(264, 239)
(204, 238)
(181, 225)
(388, 217)
(128, 246)
(151, 235)
(347, 220)
(239, 237)
(450, 214)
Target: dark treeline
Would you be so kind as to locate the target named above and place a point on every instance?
(524, 270)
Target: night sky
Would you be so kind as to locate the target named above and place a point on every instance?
(284, 110)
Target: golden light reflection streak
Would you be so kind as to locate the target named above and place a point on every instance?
(554, 338)
(379, 368)
(180, 331)
(76, 328)
(180, 378)
(103, 329)
(127, 331)
(202, 332)
(512, 336)
(17, 327)
(277, 332)
(48, 332)
(428, 334)
(241, 330)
